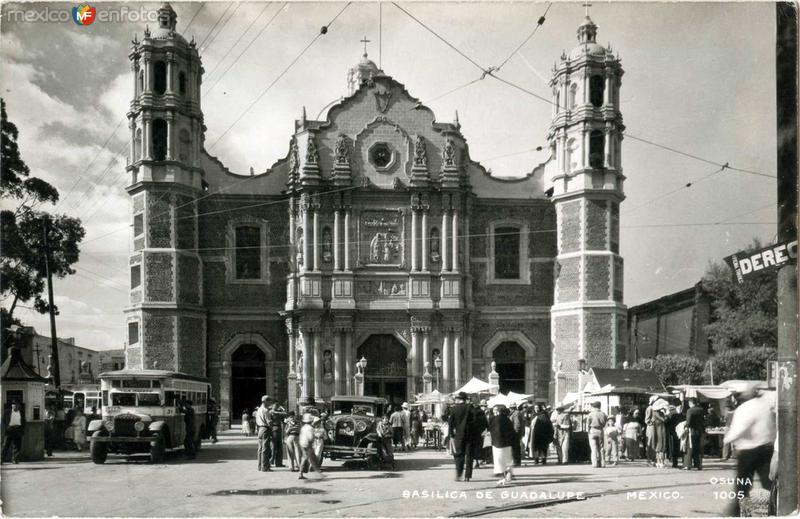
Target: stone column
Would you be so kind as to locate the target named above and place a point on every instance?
(456, 359)
(225, 393)
(336, 224)
(424, 241)
(443, 248)
(426, 352)
(348, 360)
(147, 74)
(414, 360)
(132, 126)
(135, 70)
(607, 97)
(587, 132)
(147, 142)
(337, 362)
(170, 133)
(413, 240)
(454, 263)
(530, 375)
(170, 62)
(317, 365)
(306, 236)
(315, 266)
(347, 240)
(307, 364)
(607, 147)
(292, 349)
(447, 361)
(562, 154)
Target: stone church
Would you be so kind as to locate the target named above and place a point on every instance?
(377, 239)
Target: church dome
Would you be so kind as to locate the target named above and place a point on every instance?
(587, 38)
(167, 20)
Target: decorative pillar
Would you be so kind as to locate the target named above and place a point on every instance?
(132, 126)
(336, 224)
(170, 63)
(347, 240)
(146, 59)
(607, 147)
(425, 244)
(454, 263)
(607, 97)
(427, 378)
(292, 349)
(348, 360)
(306, 235)
(447, 359)
(225, 393)
(586, 136)
(315, 265)
(456, 359)
(530, 377)
(307, 364)
(170, 133)
(317, 365)
(444, 241)
(426, 352)
(337, 362)
(413, 240)
(414, 361)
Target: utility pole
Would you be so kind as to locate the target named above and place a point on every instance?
(53, 334)
(787, 390)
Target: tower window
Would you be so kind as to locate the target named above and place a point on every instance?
(138, 224)
(597, 87)
(596, 149)
(248, 252)
(182, 82)
(136, 276)
(506, 253)
(185, 145)
(159, 139)
(133, 332)
(573, 96)
(160, 76)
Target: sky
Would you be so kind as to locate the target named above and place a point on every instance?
(698, 79)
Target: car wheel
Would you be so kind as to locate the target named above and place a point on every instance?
(157, 449)
(98, 450)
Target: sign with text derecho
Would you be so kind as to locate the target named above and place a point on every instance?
(746, 263)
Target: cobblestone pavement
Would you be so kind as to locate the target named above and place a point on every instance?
(223, 481)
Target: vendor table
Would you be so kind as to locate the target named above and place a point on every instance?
(432, 435)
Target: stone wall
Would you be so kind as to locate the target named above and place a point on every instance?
(159, 340)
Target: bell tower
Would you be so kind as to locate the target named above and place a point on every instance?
(588, 316)
(166, 320)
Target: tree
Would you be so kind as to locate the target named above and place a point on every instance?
(22, 265)
(742, 315)
(674, 369)
(739, 364)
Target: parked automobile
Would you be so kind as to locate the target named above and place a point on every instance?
(350, 428)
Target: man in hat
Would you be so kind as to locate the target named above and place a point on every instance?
(264, 433)
(459, 424)
(307, 453)
(695, 423)
(597, 420)
(518, 421)
(563, 432)
(277, 414)
(406, 413)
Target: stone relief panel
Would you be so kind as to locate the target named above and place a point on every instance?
(382, 288)
(380, 238)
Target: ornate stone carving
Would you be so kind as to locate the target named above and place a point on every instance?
(420, 152)
(387, 288)
(382, 98)
(293, 159)
(449, 154)
(299, 247)
(327, 365)
(312, 156)
(342, 150)
(381, 236)
(327, 248)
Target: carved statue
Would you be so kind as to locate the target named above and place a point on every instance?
(342, 152)
(300, 361)
(449, 153)
(299, 247)
(435, 243)
(376, 247)
(420, 152)
(326, 245)
(312, 157)
(293, 156)
(327, 363)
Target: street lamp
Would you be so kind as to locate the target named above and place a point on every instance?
(437, 362)
(362, 364)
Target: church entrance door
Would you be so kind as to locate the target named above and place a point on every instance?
(248, 380)
(510, 365)
(385, 375)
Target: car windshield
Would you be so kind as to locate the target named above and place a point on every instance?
(123, 399)
(355, 408)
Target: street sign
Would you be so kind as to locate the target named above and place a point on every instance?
(746, 263)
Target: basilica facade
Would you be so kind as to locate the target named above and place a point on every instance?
(376, 240)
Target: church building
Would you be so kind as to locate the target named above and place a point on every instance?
(378, 239)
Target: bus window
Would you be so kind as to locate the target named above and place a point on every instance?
(123, 399)
(149, 399)
(116, 383)
(156, 384)
(169, 398)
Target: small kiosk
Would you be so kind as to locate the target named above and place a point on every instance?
(23, 385)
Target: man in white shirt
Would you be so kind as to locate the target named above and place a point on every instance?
(13, 428)
(264, 432)
(752, 433)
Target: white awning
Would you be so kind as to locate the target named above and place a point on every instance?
(475, 386)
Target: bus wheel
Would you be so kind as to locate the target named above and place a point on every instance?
(157, 449)
(98, 450)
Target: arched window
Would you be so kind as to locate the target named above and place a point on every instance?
(141, 81)
(184, 147)
(248, 252)
(182, 82)
(159, 139)
(137, 146)
(506, 252)
(596, 142)
(160, 76)
(597, 86)
(573, 96)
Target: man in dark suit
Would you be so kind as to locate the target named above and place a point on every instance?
(13, 428)
(459, 425)
(695, 422)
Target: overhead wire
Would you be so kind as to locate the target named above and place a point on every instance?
(238, 5)
(242, 35)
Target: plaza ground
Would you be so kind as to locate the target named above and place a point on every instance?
(223, 481)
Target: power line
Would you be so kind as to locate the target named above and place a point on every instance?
(202, 4)
(539, 23)
(669, 193)
(322, 32)
(222, 59)
(238, 5)
(214, 27)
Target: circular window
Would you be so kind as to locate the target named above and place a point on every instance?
(380, 155)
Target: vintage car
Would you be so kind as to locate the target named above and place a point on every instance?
(143, 413)
(350, 428)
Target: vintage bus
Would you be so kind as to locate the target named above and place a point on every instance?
(143, 413)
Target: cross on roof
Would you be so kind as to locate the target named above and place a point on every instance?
(365, 41)
(587, 5)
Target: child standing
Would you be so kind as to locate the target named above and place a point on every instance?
(611, 434)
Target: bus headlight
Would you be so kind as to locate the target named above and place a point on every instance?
(139, 426)
(109, 424)
(361, 426)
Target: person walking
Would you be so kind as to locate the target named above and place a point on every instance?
(13, 427)
(213, 419)
(631, 432)
(649, 433)
(79, 429)
(541, 435)
(416, 428)
(597, 421)
(459, 426)
(518, 421)
(277, 414)
(673, 440)
(752, 432)
(503, 436)
(659, 432)
(189, 448)
(49, 431)
(264, 432)
(293, 426)
(247, 430)
(695, 424)
(308, 454)
(383, 429)
(563, 433)
(396, 420)
(406, 426)
(479, 426)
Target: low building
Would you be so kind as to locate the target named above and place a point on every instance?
(112, 360)
(674, 323)
(626, 388)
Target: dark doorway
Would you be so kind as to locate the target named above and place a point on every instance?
(248, 380)
(385, 375)
(509, 358)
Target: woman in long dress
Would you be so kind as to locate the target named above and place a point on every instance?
(541, 435)
(503, 437)
(660, 435)
(246, 429)
(79, 430)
